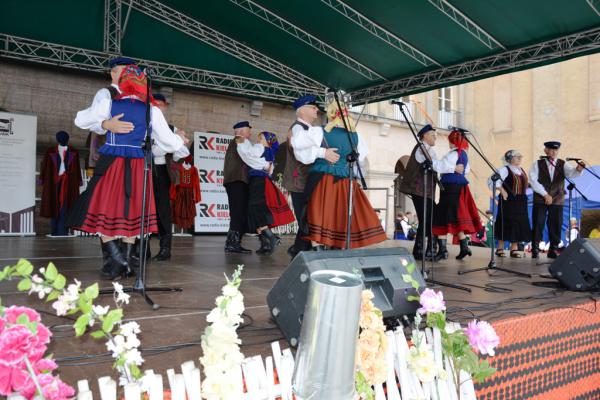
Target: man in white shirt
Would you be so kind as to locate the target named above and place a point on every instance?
(547, 179)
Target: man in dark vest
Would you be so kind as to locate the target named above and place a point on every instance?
(412, 184)
(547, 179)
(235, 180)
(295, 173)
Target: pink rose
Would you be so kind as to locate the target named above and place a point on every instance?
(13, 379)
(431, 302)
(13, 312)
(45, 364)
(16, 343)
(482, 337)
(40, 340)
(2, 323)
(52, 388)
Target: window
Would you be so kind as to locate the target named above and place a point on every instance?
(445, 99)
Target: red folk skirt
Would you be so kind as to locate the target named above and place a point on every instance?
(456, 212)
(277, 205)
(112, 203)
(327, 215)
(267, 206)
(184, 207)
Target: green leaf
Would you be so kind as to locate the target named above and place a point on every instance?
(407, 278)
(84, 304)
(413, 298)
(24, 267)
(111, 319)
(135, 371)
(81, 324)
(410, 268)
(97, 334)
(22, 319)
(53, 295)
(51, 272)
(5, 272)
(91, 292)
(59, 282)
(24, 285)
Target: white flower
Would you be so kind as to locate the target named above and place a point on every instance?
(61, 306)
(116, 345)
(99, 310)
(422, 362)
(130, 328)
(121, 296)
(38, 287)
(229, 290)
(133, 356)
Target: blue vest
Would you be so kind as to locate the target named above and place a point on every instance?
(128, 145)
(337, 138)
(269, 155)
(455, 178)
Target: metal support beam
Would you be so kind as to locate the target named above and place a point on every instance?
(467, 24)
(22, 49)
(595, 4)
(380, 32)
(307, 38)
(198, 30)
(526, 57)
(112, 26)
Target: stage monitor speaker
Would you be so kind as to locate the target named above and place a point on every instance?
(381, 271)
(578, 266)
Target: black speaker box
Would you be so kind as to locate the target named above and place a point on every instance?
(578, 266)
(381, 271)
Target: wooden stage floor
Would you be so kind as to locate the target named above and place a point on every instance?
(171, 334)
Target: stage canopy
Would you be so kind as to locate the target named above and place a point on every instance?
(274, 49)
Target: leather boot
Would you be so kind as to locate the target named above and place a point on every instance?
(164, 253)
(464, 250)
(129, 256)
(319, 247)
(429, 250)
(268, 242)
(106, 261)
(418, 248)
(442, 252)
(239, 241)
(138, 250)
(233, 243)
(117, 262)
(535, 249)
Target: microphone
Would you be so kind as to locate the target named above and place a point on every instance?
(574, 159)
(544, 158)
(397, 102)
(148, 71)
(461, 130)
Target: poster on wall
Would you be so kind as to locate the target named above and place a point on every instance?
(212, 213)
(17, 173)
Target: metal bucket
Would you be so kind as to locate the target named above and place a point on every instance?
(325, 360)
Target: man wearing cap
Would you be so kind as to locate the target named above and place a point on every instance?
(547, 179)
(295, 173)
(161, 179)
(235, 180)
(412, 184)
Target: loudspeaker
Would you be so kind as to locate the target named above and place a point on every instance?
(578, 266)
(381, 271)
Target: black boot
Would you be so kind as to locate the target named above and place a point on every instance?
(319, 247)
(244, 250)
(418, 248)
(429, 250)
(117, 262)
(442, 252)
(138, 250)
(233, 243)
(106, 261)
(552, 253)
(535, 249)
(132, 261)
(464, 250)
(164, 253)
(268, 242)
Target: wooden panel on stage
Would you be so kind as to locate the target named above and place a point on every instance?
(549, 336)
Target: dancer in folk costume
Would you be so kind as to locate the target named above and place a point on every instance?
(325, 217)
(111, 206)
(267, 206)
(456, 212)
(185, 194)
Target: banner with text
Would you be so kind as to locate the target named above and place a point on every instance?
(212, 213)
(17, 173)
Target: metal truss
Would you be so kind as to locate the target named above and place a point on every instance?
(198, 30)
(22, 49)
(112, 26)
(571, 45)
(307, 38)
(379, 32)
(595, 4)
(467, 24)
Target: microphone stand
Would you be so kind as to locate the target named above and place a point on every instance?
(570, 188)
(139, 286)
(427, 168)
(352, 160)
(495, 178)
(591, 171)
